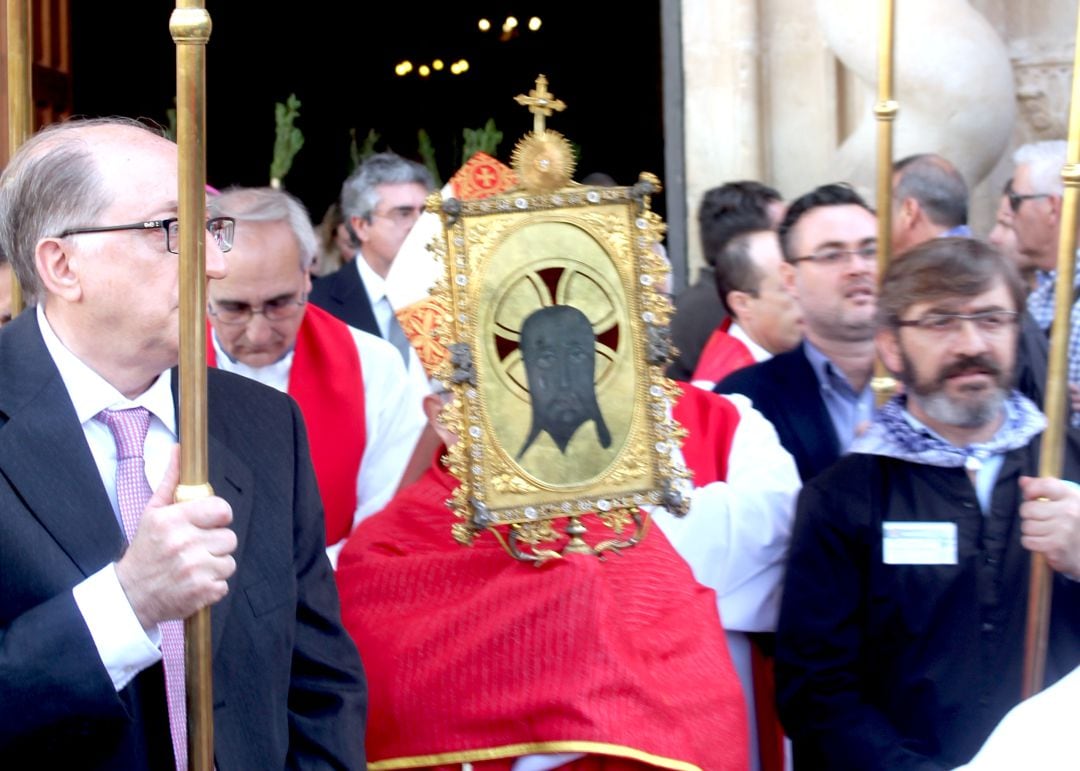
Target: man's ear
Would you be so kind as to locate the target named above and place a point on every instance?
(359, 227)
(888, 348)
(1055, 208)
(58, 269)
(787, 279)
(433, 407)
(738, 301)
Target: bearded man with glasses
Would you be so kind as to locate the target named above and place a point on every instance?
(362, 412)
(901, 632)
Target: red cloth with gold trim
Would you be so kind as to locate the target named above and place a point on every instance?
(327, 381)
(722, 355)
(472, 656)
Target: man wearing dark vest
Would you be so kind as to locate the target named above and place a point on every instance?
(361, 410)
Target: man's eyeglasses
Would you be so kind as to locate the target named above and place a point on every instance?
(946, 324)
(401, 215)
(1015, 199)
(221, 228)
(274, 309)
(838, 256)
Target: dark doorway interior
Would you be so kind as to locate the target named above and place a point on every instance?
(601, 58)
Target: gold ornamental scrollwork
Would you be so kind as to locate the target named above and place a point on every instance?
(555, 325)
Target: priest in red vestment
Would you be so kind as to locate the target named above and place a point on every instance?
(361, 412)
(476, 660)
(756, 288)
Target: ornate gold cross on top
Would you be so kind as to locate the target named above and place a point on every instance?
(541, 103)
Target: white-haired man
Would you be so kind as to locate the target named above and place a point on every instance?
(362, 412)
(1036, 198)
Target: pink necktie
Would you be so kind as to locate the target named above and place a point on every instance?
(129, 429)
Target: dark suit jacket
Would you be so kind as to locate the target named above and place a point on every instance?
(698, 312)
(289, 691)
(786, 391)
(1032, 351)
(342, 294)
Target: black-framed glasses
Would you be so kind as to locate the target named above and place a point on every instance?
(835, 256)
(1015, 199)
(991, 322)
(274, 309)
(221, 228)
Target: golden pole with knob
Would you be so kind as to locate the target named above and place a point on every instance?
(190, 29)
(19, 92)
(885, 110)
(1051, 453)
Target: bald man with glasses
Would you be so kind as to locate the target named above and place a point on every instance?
(99, 566)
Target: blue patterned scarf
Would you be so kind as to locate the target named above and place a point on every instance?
(892, 435)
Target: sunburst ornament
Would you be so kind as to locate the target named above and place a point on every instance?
(543, 161)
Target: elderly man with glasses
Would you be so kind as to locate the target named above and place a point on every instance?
(98, 566)
(1035, 198)
(901, 632)
(362, 413)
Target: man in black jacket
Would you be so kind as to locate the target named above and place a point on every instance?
(900, 640)
(97, 570)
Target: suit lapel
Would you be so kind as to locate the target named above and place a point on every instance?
(349, 292)
(44, 455)
(231, 479)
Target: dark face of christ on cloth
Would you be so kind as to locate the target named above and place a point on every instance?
(558, 348)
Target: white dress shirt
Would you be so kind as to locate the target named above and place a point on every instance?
(735, 539)
(375, 286)
(125, 648)
(759, 353)
(393, 418)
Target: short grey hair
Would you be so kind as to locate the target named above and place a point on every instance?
(937, 186)
(360, 195)
(265, 204)
(51, 184)
(1045, 161)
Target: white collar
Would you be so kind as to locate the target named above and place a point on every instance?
(758, 352)
(90, 393)
(275, 375)
(374, 284)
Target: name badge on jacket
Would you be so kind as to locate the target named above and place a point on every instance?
(918, 543)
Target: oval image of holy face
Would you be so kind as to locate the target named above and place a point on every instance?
(557, 369)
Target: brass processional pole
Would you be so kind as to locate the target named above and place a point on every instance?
(19, 90)
(1051, 453)
(885, 110)
(190, 29)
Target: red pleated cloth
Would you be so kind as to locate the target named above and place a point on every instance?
(474, 657)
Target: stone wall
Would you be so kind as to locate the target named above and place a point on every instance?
(782, 90)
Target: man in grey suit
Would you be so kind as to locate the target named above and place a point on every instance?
(95, 571)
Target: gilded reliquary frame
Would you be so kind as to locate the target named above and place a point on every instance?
(557, 327)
